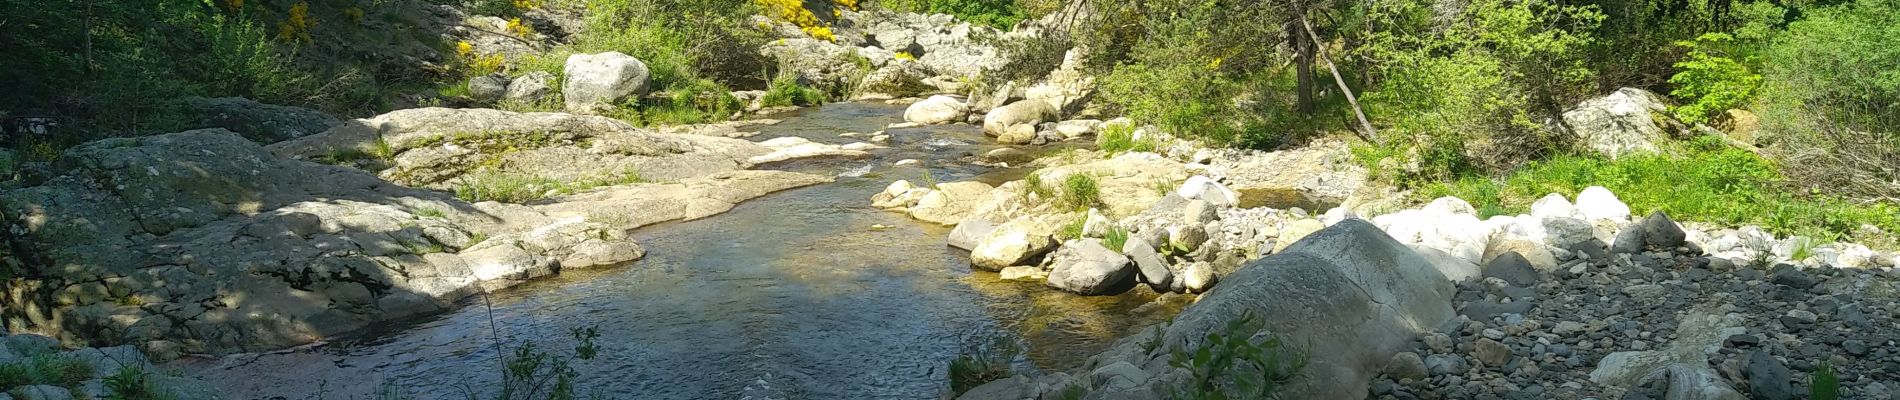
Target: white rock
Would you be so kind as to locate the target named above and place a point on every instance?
(1200, 187)
(937, 109)
(1553, 205)
(592, 81)
(1596, 203)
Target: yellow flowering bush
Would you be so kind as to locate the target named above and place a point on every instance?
(478, 64)
(519, 29)
(794, 11)
(296, 26)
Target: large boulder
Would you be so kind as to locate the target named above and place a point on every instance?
(1014, 243)
(441, 147)
(1448, 224)
(259, 122)
(487, 88)
(950, 203)
(1067, 88)
(1626, 122)
(1086, 267)
(815, 63)
(1029, 112)
(226, 247)
(594, 81)
(1349, 297)
(894, 80)
(938, 109)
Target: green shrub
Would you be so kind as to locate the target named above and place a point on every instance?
(1709, 81)
(1702, 181)
(1236, 362)
(1117, 138)
(786, 91)
(700, 101)
(1475, 96)
(1079, 192)
(1000, 14)
(1075, 228)
(1829, 96)
(982, 363)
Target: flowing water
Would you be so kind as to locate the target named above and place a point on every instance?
(804, 294)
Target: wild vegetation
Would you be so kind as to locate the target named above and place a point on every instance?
(1465, 100)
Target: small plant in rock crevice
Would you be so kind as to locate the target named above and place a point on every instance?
(1238, 361)
(981, 363)
(1079, 191)
(1825, 385)
(1075, 228)
(1115, 238)
(1034, 186)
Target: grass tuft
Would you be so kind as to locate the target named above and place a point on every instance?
(1079, 192)
(982, 363)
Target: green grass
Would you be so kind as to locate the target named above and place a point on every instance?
(1825, 385)
(930, 181)
(1033, 186)
(521, 188)
(46, 369)
(1701, 181)
(786, 91)
(430, 212)
(1117, 138)
(1079, 192)
(1074, 229)
(15, 375)
(1116, 238)
(982, 363)
(131, 383)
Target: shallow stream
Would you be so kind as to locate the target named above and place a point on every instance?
(804, 294)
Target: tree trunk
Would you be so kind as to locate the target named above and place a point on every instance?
(1303, 64)
(1370, 134)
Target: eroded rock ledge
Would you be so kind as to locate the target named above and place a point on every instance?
(204, 242)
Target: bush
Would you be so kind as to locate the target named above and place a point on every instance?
(60, 370)
(1483, 87)
(786, 91)
(1236, 362)
(1709, 81)
(1121, 137)
(1000, 14)
(1079, 192)
(1033, 186)
(1831, 99)
(1704, 181)
(1184, 66)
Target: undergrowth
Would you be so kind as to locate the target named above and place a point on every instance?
(1704, 180)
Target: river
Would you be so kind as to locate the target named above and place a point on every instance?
(804, 294)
